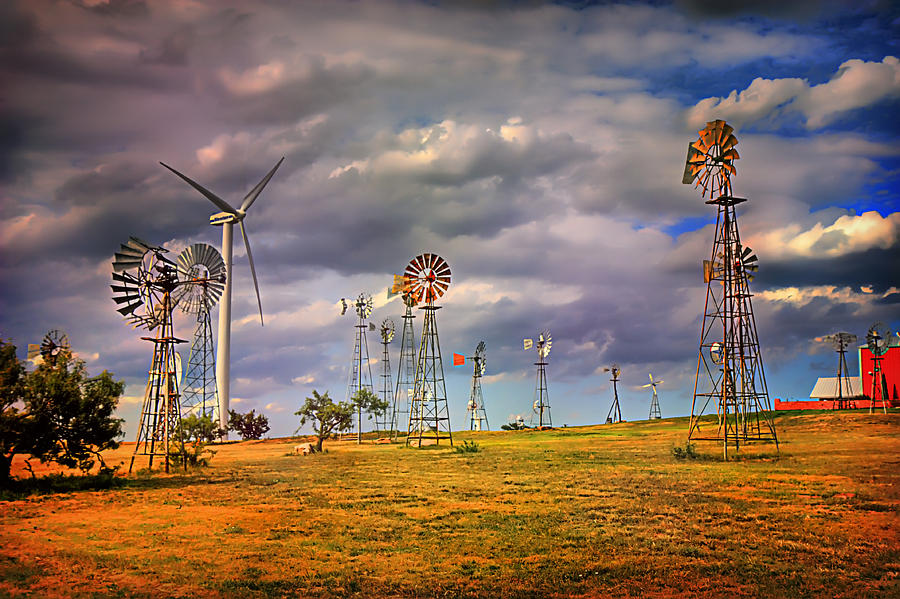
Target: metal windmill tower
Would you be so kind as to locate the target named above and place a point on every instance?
(144, 277)
(654, 403)
(540, 407)
(478, 420)
(615, 412)
(227, 219)
(843, 392)
(427, 277)
(406, 368)
(387, 389)
(360, 368)
(52, 345)
(203, 263)
(877, 340)
(730, 373)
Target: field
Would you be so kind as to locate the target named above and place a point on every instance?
(589, 511)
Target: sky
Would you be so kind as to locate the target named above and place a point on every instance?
(537, 147)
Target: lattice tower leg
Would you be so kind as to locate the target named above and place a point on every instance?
(199, 388)
(429, 416)
(406, 375)
(360, 372)
(159, 431)
(383, 422)
(737, 381)
(541, 404)
(879, 385)
(615, 412)
(654, 407)
(477, 415)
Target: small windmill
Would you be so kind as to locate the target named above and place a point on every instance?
(478, 420)
(878, 341)
(427, 278)
(360, 368)
(406, 368)
(387, 390)
(730, 373)
(144, 284)
(654, 403)
(540, 407)
(615, 412)
(226, 219)
(54, 343)
(844, 393)
(202, 263)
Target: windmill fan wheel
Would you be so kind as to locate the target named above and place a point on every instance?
(141, 276)
(364, 305)
(428, 276)
(387, 330)
(710, 160)
(54, 343)
(202, 266)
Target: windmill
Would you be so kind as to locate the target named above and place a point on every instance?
(360, 368)
(226, 219)
(478, 420)
(54, 343)
(730, 371)
(406, 368)
(877, 342)
(202, 263)
(540, 407)
(145, 282)
(615, 412)
(654, 403)
(387, 390)
(427, 278)
(843, 392)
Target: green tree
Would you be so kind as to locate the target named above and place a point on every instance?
(366, 401)
(200, 429)
(11, 385)
(56, 413)
(325, 415)
(249, 425)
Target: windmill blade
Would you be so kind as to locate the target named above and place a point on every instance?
(647, 385)
(254, 193)
(689, 172)
(252, 271)
(219, 202)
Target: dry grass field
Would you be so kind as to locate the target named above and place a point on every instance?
(584, 512)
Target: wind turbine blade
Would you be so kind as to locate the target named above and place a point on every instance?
(222, 204)
(254, 193)
(252, 271)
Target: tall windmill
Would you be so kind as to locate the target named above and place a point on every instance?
(383, 422)
(54, 343)
(654, 403)
(730, 371)
(406, 368)
(478, 420)
(202, 263)
(877, 342)
(843, 391)
(360, 368)
(427, 277)
(144, 284)
(540, 407)
(615, 412)
(226, 219)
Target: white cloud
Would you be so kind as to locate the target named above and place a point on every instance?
(847, 234)
(856, 84)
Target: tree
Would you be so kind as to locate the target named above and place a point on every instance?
(11, 384)
(65, 417)
(249, 425)
(325, 415)
(200, 429)
(366, 401)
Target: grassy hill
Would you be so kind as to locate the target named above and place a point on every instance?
(582, 511)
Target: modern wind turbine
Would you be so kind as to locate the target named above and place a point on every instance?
(226, 220)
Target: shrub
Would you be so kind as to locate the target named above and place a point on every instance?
(467, 447)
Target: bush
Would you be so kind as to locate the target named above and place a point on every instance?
(685, 453)
(249, 425)
(467, 447)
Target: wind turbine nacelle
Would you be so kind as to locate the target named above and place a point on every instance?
(221, 218)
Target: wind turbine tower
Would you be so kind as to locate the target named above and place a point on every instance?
(226, 219)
